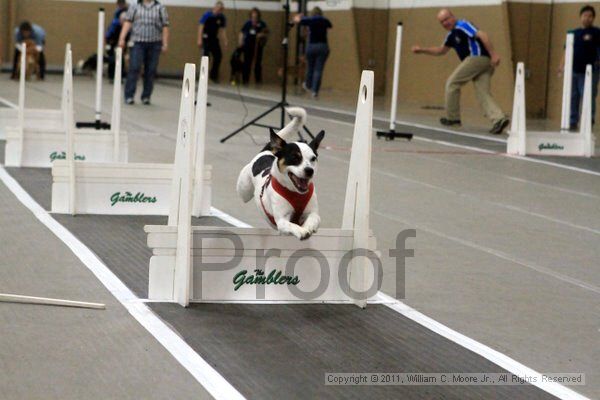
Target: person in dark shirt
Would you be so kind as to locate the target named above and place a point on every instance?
(112, 36)
(478, 60)
(252, 40)
(211, 31)
(317, 49)
(586, 45)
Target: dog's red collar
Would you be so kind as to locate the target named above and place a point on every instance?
(298, 201)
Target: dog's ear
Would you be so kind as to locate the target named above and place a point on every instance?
(314, 144)
(277, 143)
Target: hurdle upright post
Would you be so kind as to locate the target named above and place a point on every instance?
(358, 187)
(199, 137)
(585, 128)
(115, 122)
(21, 110)
(99, 65)
(518, 128)
(391, 134)
(69, 126)
(567, 83)
(180, 213)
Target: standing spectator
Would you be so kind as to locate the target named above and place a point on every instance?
(317, 49)
(586, 46)
(252, 39)
(211, 28)
(112, 35)
(28, 31)
(149, 24)
(478, 60)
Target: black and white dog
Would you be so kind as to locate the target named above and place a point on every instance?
(279, 179)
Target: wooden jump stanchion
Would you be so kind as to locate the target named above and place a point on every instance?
(567, 83)
(203, 264)
(522, 142)
(116, 188)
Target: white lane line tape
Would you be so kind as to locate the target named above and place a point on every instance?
(486, 352)
(8, 103)
(203, 372)
(478, 199)
(498, 253)
(492, 355)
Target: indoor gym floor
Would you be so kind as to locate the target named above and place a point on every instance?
(506, 251)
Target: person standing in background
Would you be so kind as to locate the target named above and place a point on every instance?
(28, 31)
(211, 30)
(112, 35)
(149, 24)
(586, 47)
(317, 49)
(252, 40)
(477, 62)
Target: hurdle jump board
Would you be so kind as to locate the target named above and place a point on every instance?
(33, 118)
(523, 142)
(119, 188)
(221, 255)
(41, 147)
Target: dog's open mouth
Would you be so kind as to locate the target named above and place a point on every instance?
(300, 183)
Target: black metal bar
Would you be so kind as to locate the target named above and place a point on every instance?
(96, 125)
(392, 134)
(252, 122)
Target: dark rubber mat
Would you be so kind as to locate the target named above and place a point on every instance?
(120, 242)
(284, 351)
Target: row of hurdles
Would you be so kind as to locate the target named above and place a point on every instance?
(200, 263)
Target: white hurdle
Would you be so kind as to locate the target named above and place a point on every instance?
(114, 188)
(39, 146)
(567, 83)
(522, 142)
(216, 264)
(29, 118)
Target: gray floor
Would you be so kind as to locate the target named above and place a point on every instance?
(67, 353)
(506, 250)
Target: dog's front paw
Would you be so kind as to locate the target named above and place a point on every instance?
(301, 233)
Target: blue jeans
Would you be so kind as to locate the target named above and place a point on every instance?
(316, 55)
(577, 86)
(146, 54)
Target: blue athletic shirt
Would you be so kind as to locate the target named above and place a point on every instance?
(586, 45)
(212, 22)
(463, 40)
(317, 27)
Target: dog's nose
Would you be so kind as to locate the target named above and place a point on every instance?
(308, 171)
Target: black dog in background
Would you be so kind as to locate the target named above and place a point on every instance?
(237, 65)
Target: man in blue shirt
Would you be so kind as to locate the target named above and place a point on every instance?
(586, 45)
(478, 60)
(212, 28)
(29, 31)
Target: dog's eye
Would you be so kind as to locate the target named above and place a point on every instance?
(313, 159)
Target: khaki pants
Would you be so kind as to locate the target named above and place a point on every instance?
(478, 70)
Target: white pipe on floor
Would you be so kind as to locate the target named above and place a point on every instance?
(397, 52)
(16, 298)
(567, 81)
(99, 64)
